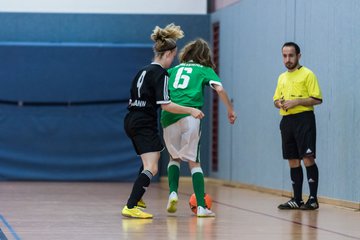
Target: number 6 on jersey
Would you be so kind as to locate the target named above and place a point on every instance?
(180, 75)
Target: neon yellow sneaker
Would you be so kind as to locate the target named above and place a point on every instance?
(141, 204)
(135, 213)
(172, 203)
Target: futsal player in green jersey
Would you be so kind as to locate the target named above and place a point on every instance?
(296, 94)
(181, 132)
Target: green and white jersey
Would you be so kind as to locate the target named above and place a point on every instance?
(186, 86)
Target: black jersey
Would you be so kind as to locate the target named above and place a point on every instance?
(149, 89)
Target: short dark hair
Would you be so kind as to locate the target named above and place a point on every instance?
(292, 44)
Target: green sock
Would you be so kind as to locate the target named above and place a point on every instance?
(199, 186)
(173, 176)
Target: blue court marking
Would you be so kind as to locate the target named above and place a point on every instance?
(13, 233)
(2, 235)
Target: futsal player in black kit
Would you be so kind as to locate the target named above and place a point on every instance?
(149, 91)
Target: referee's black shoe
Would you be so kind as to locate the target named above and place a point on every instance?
(311, 204)
(291, 204)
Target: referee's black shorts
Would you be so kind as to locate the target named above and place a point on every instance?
(142, 129)
(298, 134)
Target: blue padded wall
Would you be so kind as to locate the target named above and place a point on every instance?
(69, 72)
(71, 58)
(67, 142)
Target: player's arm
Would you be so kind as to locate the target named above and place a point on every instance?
(163, 99)
(176, 108)
(225, 99)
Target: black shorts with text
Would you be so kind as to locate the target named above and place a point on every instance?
(298, 134)
(142, 129)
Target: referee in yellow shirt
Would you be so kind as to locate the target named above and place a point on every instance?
(296, 93)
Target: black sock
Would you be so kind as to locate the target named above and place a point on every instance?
(141, 169)
(139, 188)
(297, 178)
(313, 179)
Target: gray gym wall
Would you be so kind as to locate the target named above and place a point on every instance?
(252, 33)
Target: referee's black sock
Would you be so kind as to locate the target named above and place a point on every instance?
(313, 179)
(297, 178)
(139, 188)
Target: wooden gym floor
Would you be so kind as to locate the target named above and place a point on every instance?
(89, 211)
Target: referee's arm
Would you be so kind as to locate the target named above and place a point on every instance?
(287, 104)
(278, 103)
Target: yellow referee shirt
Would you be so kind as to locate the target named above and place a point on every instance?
(301, 83)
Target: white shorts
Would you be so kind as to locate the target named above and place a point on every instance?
(182, 139)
